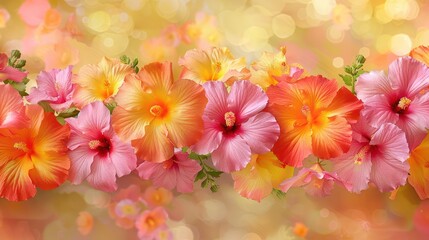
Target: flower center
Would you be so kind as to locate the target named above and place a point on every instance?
(361, 155)
(168, 164)
(21, 146)
(156, 110)
(402, 105)
(151, 222)
(103, 146)
(230, 119)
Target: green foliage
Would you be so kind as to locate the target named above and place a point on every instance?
(15, 62)
(278, 193)
(126, 60)
(207, 174)
(353, 72)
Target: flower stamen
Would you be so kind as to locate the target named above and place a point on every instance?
(230, 119)
(21, 146)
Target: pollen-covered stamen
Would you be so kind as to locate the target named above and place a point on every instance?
(21, 146)
(230, 119)
(156, 110)
(402, 105)
(358, 158)
(94, 144)
(306, 111)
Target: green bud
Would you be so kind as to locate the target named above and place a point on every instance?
(360, 59)
(135, 62)
(20, 63)
(214, 188)
(125, 59)
(15, 54)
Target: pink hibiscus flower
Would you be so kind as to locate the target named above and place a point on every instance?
(55, 87)
(177, 172)
(8, 72)
(376, 155)
(235, 126)
(315, 180)
(400, 98)
(96, 153)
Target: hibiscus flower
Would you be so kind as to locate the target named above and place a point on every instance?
(96, 153)
(400, 98)
(235, 126)
(314, 118)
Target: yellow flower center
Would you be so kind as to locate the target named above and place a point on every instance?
(230, 119)
(128, 209)
(156, 110)
(151, 222)
(402, 105)
(21, 146)
(361, 155)
(94, 144)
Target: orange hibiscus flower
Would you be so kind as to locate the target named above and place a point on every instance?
(419, 169)
(314, 117)
(33, 156)
(158, 113)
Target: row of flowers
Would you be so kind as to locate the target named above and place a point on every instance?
(260, 124)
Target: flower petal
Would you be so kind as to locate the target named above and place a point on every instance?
(346, 105)
(233, 154)
(50, 169)
(186, 124)
(123, 157)
(155, 145)
(331, 137)
(80, 165)
(11, 108)
(389, 165)
(260, 132)
(246, 99)
(356, 174)
(371, 84)
(15, 183)
(419, 169)
(130, 124)
(217, 105)
(378, 110)
(211, 138)
(318, 91)
(409, 76)
(103, 174)
(158, 76)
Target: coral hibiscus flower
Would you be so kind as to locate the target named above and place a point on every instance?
(376, 155)
(96, 153)
(314, 117)
(235, 126)
(158, 113)
(400, 98)
(100, 82)
(419, 168)
(33, 156)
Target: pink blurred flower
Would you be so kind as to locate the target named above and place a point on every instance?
(55, 87)
(32, 12)
(4, 17)
(150, 222)
(8, 72)
(157, 196)
(177, 172)
(315, 180)
(235, 126)
(127, 208)
(96, 153)
(376, 155)
(85, 223)
(132, 193)
(400, 98)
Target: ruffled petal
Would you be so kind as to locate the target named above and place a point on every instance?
(130, 124)
(353, 171)
(346, 105)
(419, 169)
(197, 66)
(15, 183)
(331, 137)
(318, 91)
(155, 145)
(94, 117)
(50, 169)
(409, 76)
(378, 110)
(103, 174)
(123, 157)
(371, 84)
(185, 125)
(246, 99)
(80, 164)
(421, 53)
(260, 132)
(217, 105)
(389, 165)
(11, 108)
(211, 138)
(158, 76)
(187, 170)
(233, 154)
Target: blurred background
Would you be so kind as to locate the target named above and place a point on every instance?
(321, 35)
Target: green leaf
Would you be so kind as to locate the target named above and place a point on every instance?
(125, 59)
(135, 62)
(46, 107)
(204, 183)
(347, 79)
(111, 106)
(200, 175)
(215, 174)
(278, 193)
(214, 188)
(71, 112)
(61, 120)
